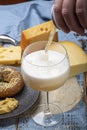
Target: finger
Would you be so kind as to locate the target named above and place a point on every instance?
(69, 15)
(81, 12)
(57, 12)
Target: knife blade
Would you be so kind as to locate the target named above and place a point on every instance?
(4, 39)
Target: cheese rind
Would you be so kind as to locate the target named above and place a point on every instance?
(10, 55)
(77, 57)
(37, 33)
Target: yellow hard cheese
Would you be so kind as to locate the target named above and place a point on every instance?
(10, 55)
(77, 57)
(37, 33)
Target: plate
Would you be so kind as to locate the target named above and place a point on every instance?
(27, 98)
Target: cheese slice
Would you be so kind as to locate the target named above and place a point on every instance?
(37, 33)
(77, 57)
(10, 55)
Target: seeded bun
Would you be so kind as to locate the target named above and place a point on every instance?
(11, 81)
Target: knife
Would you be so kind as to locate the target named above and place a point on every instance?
(7, 39)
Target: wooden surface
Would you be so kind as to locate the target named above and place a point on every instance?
(60, 96)
(6, 2)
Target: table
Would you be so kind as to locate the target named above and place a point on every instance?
(75, 119)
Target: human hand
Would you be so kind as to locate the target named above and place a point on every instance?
(70, 15)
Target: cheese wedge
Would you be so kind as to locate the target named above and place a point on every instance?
(77, 57)
(37, 33)
(10, 55)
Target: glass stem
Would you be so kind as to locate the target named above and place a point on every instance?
(47, 109)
